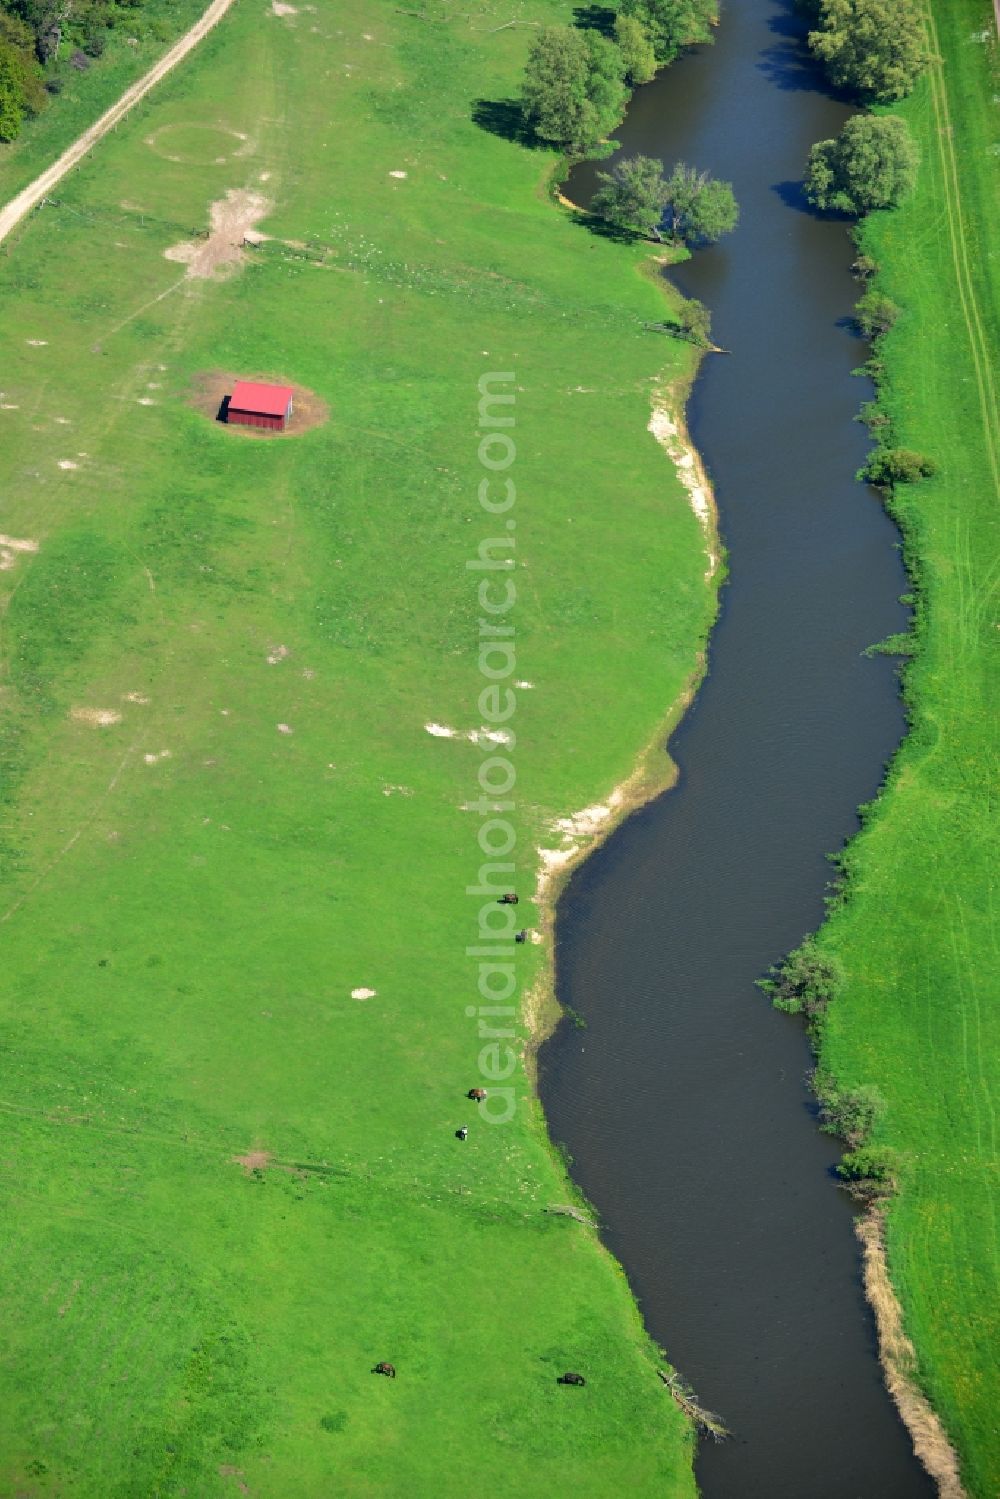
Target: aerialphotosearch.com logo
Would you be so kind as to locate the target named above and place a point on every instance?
(494, 949)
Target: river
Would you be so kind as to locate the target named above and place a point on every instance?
(683, 1101)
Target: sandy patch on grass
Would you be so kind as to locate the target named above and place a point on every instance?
(134, 697)
(441, 731)
(391, 790)
(899, 1362)
(11, 547)
(232, 221)
(284, 728)
(278, 8)
(277, 653)
(155, 759)
(363, 993)
(668, 428)
(37, 343)
(254, 1160)
(98, 718)
(398, 174)
(210, 388)
(67, 463)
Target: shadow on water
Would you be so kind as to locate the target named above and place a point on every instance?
(683, 1102)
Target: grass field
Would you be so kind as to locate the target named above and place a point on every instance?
(190, 893)
(917, 937)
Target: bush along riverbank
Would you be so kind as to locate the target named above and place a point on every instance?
(898, 986)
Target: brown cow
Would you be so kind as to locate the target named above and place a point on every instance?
(383, 1368)
(476, 1094)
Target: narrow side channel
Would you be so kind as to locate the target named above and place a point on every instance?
(683, 1102)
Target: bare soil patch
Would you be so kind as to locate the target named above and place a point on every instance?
(254, 1160)
(232, 221)
(211, 388)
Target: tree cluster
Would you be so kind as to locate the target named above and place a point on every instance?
(21, 89)
(576, 82)
(872, 49)
(32, 34)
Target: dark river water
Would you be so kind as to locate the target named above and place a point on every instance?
(683, 1101)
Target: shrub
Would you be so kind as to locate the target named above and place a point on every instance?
(805, 982)
(849, 1113)
(889, 466)
(868, 1173)
(871, 164)
(875, 314)
(864, 267)
(695, 322)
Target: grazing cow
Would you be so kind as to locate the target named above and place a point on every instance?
(388, 1369)
(522, 935)
(462, 1134)
(510, 899)
(570, 1378)
(476, 1094)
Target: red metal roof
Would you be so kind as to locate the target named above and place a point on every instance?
(270, 400)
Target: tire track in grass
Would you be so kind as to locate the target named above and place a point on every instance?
(978, 342)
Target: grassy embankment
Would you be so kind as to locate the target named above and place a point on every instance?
(85, 96)
(916, 935)
(190, 895)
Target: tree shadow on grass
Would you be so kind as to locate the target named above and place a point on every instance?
(594, 18)
(505, 117)
(601, 229)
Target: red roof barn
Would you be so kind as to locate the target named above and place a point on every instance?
(253, 405)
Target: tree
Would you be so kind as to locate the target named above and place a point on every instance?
(574, 89)
(871, 48)
(633, 195)
(673, 24)
(636, 49)
(871, 164)
(701, 208)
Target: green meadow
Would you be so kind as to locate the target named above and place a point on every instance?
(917, 935)
(222, 812)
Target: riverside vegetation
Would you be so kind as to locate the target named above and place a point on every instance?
(234, 920)
(899, 984)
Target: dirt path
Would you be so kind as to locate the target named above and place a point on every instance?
(13, 212)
